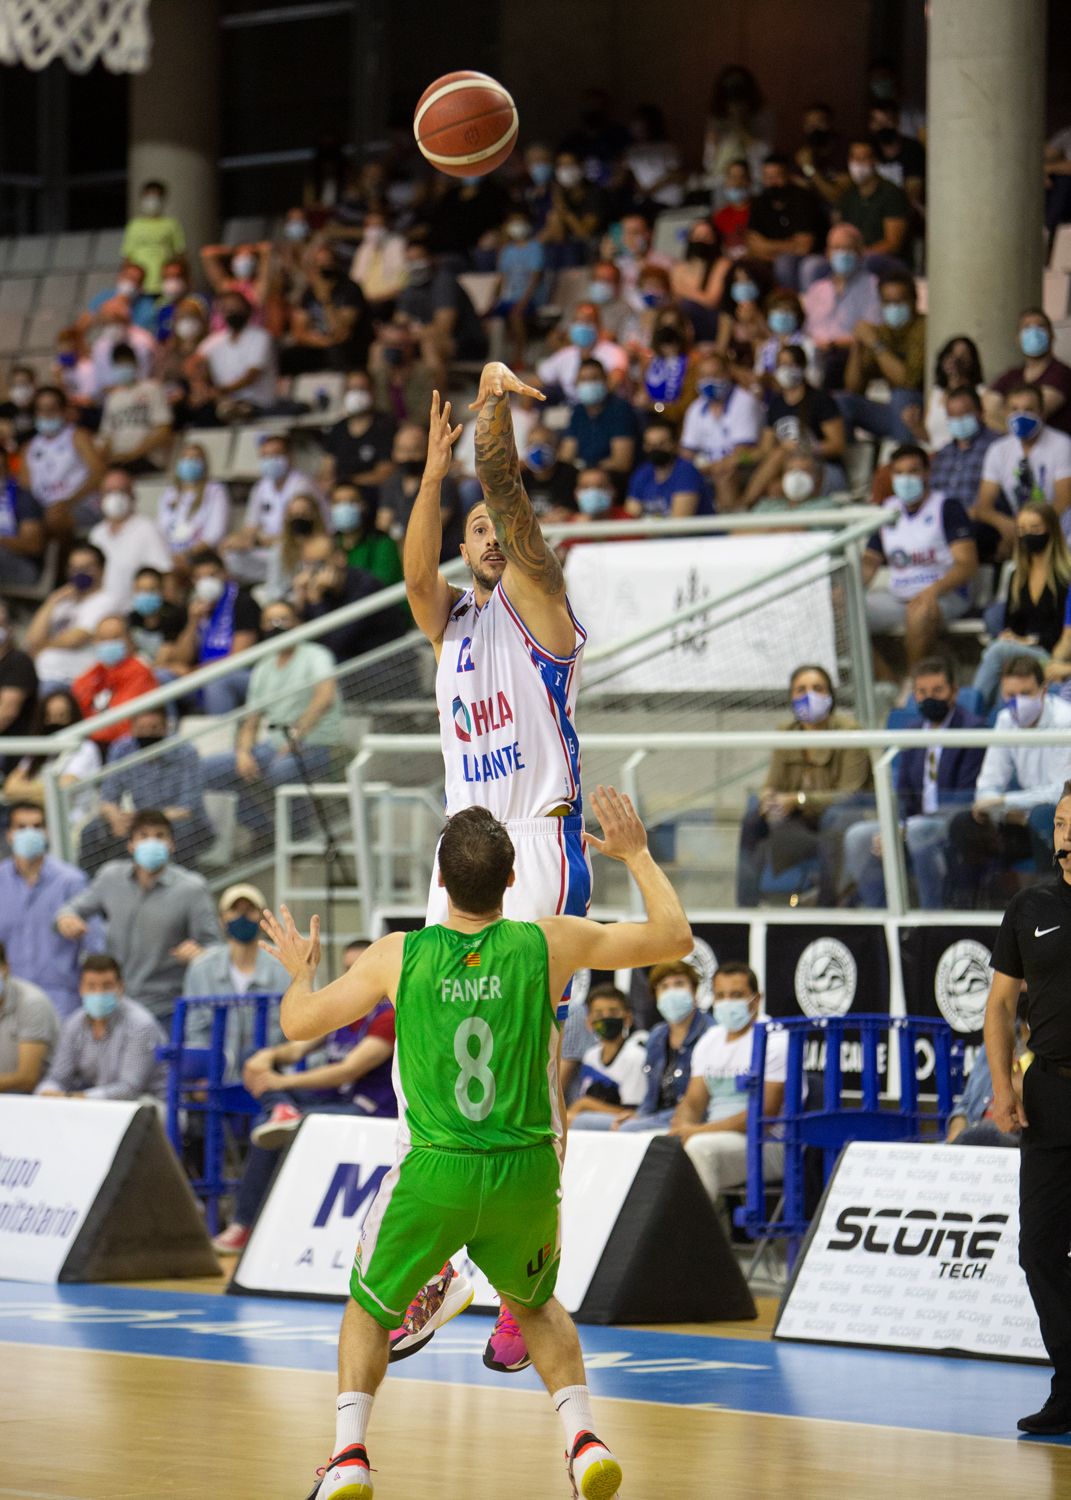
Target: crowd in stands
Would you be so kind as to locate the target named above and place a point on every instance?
(731, 339)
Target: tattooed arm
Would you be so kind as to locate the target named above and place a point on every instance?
(533, 577)
(431, 598)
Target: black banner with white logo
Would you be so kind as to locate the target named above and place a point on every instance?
(946, 973)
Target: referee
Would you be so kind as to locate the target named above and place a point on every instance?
(1034, 943)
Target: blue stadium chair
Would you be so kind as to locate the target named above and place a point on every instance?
(816, 1120)
(196, 1085)
(901, 718)
(971, 701)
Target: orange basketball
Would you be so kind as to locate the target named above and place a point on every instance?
(465, 124)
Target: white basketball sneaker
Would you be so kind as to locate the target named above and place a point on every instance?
(346, 1477)
(594, 1472)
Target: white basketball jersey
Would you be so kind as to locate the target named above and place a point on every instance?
(506, 713)
(56, 468)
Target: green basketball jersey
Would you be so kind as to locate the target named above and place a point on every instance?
(477, 1048)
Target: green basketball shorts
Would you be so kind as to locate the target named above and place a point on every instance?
(505, 1206)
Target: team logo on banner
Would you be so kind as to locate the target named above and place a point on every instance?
(961, 984)
(826, 976)
(704, 961)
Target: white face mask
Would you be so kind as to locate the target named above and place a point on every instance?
(151, 203)
(116, 504)
(356, 402)
(243, 266)
(797, 484)
(125, 287)
(374, 235)
(860, 172)
(173, 287)
(208, 590)
(188, 328)
(21, 395)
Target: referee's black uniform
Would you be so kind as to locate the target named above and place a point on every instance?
(1034, 943)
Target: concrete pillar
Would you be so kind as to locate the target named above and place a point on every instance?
(985, 103)
(174, 118)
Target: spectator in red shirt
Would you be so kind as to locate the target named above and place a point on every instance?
(731, 221)
(117, 677)
(1042, 369)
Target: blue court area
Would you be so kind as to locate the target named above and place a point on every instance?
(970, 1397)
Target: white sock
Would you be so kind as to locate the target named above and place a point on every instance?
(351, 1422)
(573, 1405)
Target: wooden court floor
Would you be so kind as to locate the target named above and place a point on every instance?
(84, 1424)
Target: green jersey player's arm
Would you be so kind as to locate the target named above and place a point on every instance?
(431, 598)
(306, 1013)
(533, 578)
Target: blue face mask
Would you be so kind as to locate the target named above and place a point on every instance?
(540, 457)
(908, 488)
(123, 374)
(541, 172)
(582, 335)
(243, 929)
(151, 854)
(715, 390)
(593, 501)
(29, 843)
(736, 195)
(1034, 341)
(812, 708)
(100, 1005)
(111, 653)
(650, 299)
(896, 314)
(963, 428)
(274, 466)
(600, 292)
(189, 470)
(782, 321)
(745, 291)
(345, 515)
(1024, 425)
(674, 1003)
(48, 426)
(844, 262)
(590, 392)
(734, 1015)
(147, 602)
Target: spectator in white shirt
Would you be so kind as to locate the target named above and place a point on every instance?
(117, 328)
(613, 1078)
(722, 429)
(711, 1119)
(60, 635)
(61, 465)
(135, 426)
(1016, 792)
(128, 541)
(1032, 463)
(246, 551)
(561, 370)
(378, 265)
(195, 510)
(239, 362)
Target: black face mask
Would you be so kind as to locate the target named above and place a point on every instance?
(413, 467)
(327, 273)
(608, 1028)
(887, 136)
(393, 356)
(301, 526)
(934, 710)
(273, 630)
(145, 740)
(701, 250)
(54, 728)
(236, 321)
(1034, 543)
(818, 139)
(660, 457)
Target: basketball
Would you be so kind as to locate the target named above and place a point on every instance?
(465, 124)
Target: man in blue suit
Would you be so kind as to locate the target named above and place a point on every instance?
(932, 785)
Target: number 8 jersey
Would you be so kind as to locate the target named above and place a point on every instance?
(506, 714)
(476, 1062)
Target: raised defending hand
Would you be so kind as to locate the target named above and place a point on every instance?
(298, 955)
(623, 835)
(498, 379)
(441, 439)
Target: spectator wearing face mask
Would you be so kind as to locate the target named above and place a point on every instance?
(172, 780)
(158, 916)
(786, 223)
(899, 159)
(595, 501)
(722, 430)
(402, 383)
(549, 482)
(235, 964)
(222, 620)
(521, 284)
(560, 371)
(248, 549)
(784, 826)
(439, 313)
(602, 427)
(931, 786)
(117, 676)
(18, 684)
(617, 316)
(378, 265)
(74, 373)
(60, 635)
(194, 511)
(784, 320)
(800, 487)
(236, 366)
(398, 493)
(153, 238)
(136, 423)
(244, 270)
(34, 884)
(139, 304)
(820, 160)
(301, 521)
(893, 350)
(16, 409)
(117, 326)
(577, 216)
(153, 621)
(931, 556)
(1016, 793)
(670, 1046)
(1031, 464)
(331, 327)
(1040, 368)
(742, 328)
(799, 418)
(177, 366)
(629, 247)
(837, 303)
(612, 1080)
(669, 370)
(62, 466)
(711, 1119)
(127, 540)
(29, 1028)
(174, 290)
(878, 209)
(357, 448)
(664, 484)
(56, 710)
(364, 546)
(107, 1049)
(698, 281)
(956, 467)
(324, 582)
(957, 365)
(22, 530)
(732, 220)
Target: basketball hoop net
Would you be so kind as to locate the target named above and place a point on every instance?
(79, 32)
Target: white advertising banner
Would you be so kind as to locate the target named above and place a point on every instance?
(305, 1238)
(54, 1157)
(619, 589)
(916, 1247)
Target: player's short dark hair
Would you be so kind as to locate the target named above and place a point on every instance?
(1024, 666)
(606, 992)
(738, 966)
(476, 857)
(930, 666)
(151, 818)
(100, 963)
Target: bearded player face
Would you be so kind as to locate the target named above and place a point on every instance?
(480, 549)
